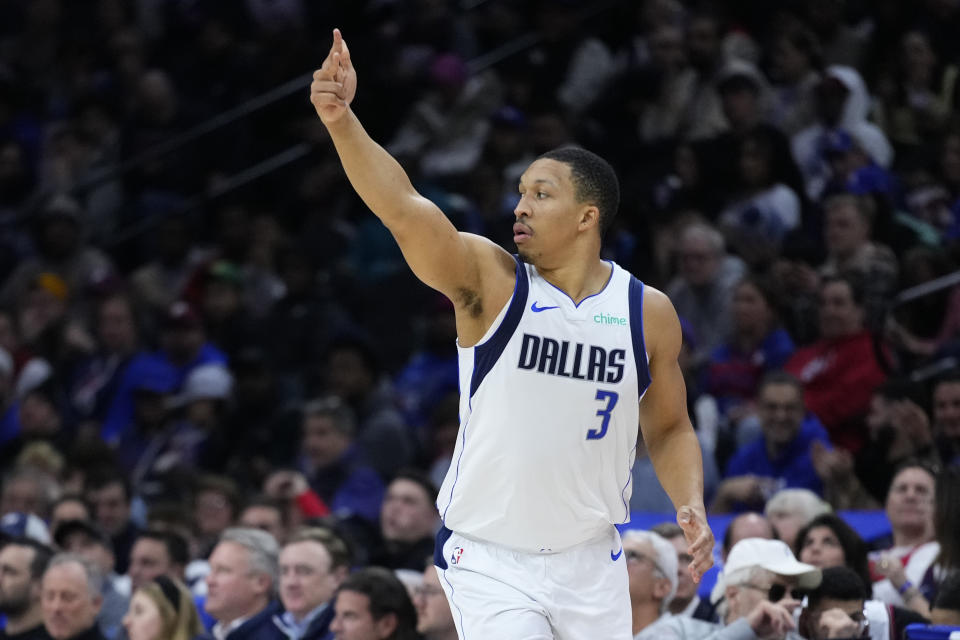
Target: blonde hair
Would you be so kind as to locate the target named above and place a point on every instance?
(182, 623)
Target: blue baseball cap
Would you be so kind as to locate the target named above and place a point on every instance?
(24, 525)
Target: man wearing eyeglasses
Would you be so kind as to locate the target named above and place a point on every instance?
(652, 571)
(759, 581)
(434, 620)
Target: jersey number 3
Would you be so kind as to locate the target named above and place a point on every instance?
(610, 398)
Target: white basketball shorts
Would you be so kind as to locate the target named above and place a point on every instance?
(496, 593)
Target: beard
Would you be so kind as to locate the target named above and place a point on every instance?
(14, 604)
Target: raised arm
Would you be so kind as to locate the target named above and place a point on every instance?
(457, 264)
(667, 431)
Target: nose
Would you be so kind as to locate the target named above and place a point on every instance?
(521, 209)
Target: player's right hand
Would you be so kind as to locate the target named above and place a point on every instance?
(334, 83)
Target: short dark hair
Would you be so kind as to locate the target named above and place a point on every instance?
(335, 545)
(854, 281)
(780, 377)
(103, 478)
(419, 477)
(387, 596)
(948, 593)
(41, 554)
(336, 409)
(262, 500)
(173, 542)
(854, 548)
(667, 530)
(594, 181)
(838, 583)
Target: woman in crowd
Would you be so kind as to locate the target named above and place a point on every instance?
(827, 541)
(162, 609)
(757, 345)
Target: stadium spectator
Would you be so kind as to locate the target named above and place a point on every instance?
(760, 580)
(757, 345)
(109, 493)
(789, 510)
(27, 491)
(840, 371)
(372, 604)
(685, 601)
(216, 503)
(835, 608)
(434, 616)
(354, 375)
(157, 553)
(85, 540)
(746, 525)
(408, 522)
(313, 565)
(848, 225)
(241, 586)
(70, 598)
(910, 510)
(162, 609)
(780, 457)
(265, 514)
(701, 292)
(22, 565)
(843, 101)
(333, 462)
(829, 542)
(795, 61)
(652, 571)
(69, 506)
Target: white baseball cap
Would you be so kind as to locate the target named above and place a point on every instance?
(206, 382)
(774, 556)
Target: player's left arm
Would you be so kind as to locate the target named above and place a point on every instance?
(668, 432)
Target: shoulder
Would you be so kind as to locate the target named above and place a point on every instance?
(661, 325)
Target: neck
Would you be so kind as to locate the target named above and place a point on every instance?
(748, 338)
(251, 611)
(644, 614)
(774, 449)
(677, 605)
(910, 536)
(575, 280)
(448, 634)
(30, 619)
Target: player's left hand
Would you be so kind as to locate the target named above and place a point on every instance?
(693, 521)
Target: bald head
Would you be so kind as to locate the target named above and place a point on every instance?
(746, 525)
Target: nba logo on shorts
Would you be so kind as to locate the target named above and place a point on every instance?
(457, 554)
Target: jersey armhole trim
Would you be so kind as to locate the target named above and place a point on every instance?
(636, 330)
(487, 353)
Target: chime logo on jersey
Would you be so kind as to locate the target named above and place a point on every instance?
(456, 555)
(571, 359)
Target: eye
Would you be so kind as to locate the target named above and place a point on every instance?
(541, 195)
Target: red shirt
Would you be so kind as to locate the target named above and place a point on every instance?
(838, 378)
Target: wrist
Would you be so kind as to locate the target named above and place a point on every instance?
(902, 589)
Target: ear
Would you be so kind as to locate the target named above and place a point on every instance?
(730, 593)
(98, 603)
(589, 217)
(386, 625)
(264, 583)
(340, 574)
(661, 588)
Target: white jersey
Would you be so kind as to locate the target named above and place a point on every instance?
(549, 410)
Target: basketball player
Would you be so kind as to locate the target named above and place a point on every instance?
(562, 355)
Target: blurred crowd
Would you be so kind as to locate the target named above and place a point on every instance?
(190, 350)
